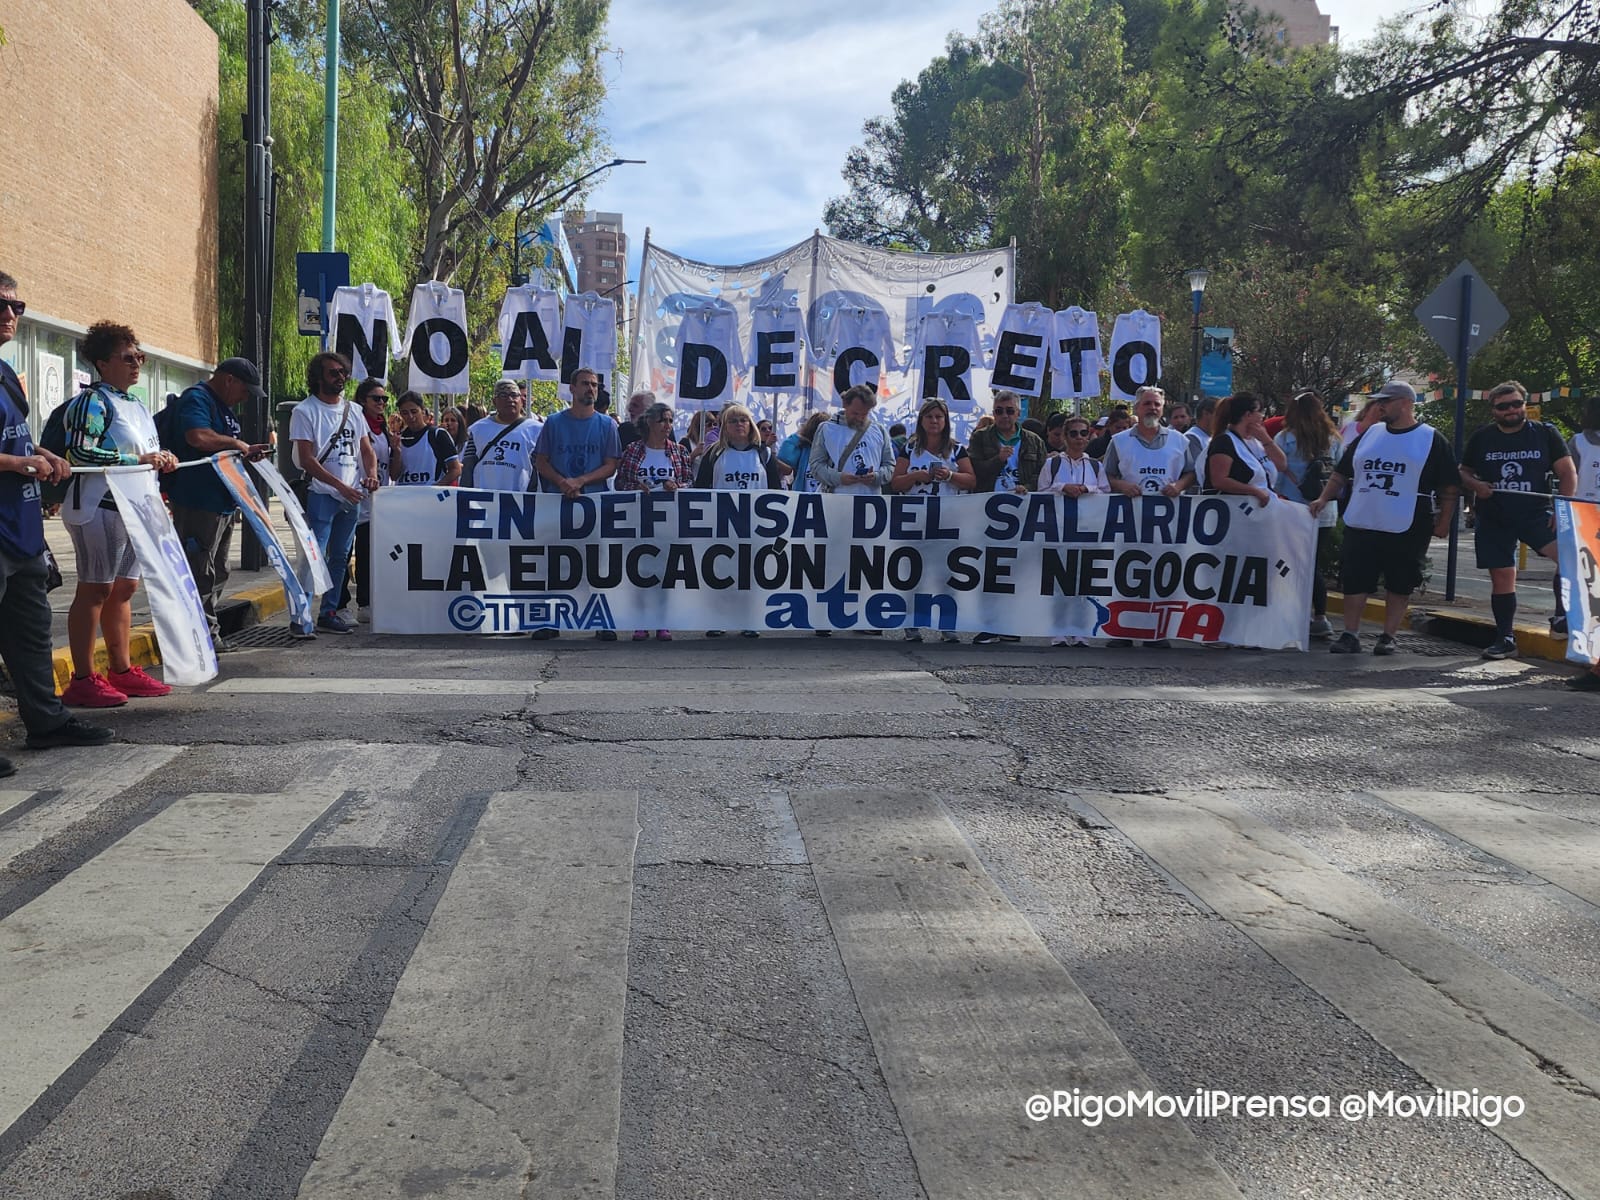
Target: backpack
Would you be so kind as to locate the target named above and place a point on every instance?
(1315, 478)
(167, 425)
(53, 437)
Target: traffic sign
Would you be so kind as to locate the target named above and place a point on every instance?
(316, 277)
(1440, 313)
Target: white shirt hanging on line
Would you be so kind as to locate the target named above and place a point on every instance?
(362, 326)
(436, 340)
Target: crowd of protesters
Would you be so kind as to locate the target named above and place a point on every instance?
(347, 449)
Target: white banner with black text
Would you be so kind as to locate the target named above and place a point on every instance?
(187, 655)
(1198, 568)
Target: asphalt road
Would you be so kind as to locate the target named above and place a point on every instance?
(403, 917)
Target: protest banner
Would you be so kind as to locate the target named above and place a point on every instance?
(231, 468)
(1197, 568)
(187, 654)
(309, 568)
(1578, 560)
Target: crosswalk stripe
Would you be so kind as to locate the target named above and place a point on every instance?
(79, 954)
(308, 685)
(86, 778)
(1331, 695)
(500, 1056)
(10, 800)
(1460, 1021)
(1556, 846)
(970, 1015)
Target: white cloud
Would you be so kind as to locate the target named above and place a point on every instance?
(745, 112)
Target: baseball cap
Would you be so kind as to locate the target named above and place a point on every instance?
(1395, 389)
(245, 372)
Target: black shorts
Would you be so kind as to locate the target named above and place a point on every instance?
(1497, 532)
(1399, 559)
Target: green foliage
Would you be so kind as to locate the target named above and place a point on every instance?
(1327, 189)
(492, 102)
(377, 220)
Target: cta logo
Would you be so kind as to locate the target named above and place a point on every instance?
(1151, 620)
(527, 611)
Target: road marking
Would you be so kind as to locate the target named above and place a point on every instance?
(86, 778)
(9, 800)
(952, 981)
(77, 956)
(368, 686)
(1460, 1021)
(498, 1066)
(1555, 846)
(1200, 694)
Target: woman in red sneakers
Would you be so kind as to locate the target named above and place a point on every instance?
(106, 427)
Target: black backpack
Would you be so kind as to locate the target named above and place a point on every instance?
(53, 437)
(1315, 478)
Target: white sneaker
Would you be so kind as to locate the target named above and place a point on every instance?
(364, 614)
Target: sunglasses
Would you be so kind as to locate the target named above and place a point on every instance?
(17, 306)
(1006, 412)
(1509, 405)
(377, 397)
(340, 372)
(1077, 433)
(136, 359)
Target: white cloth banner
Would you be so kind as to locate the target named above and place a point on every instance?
(848, 294)
(309, 568)
(187, 655)
(1197, 568)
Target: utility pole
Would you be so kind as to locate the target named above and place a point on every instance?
(330, 129)
(260, 195)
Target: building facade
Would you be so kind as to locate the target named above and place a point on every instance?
(108, 188)
(600, 253)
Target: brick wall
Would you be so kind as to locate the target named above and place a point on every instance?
(108, 166)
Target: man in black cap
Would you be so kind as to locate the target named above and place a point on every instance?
(202, 507)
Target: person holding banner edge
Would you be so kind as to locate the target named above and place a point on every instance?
(333, 447)
(1506, 465)
(24, 595)
(202, 507)
(105, 427)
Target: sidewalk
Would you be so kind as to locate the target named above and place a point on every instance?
(249, 598)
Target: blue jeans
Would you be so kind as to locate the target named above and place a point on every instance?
(333, 524)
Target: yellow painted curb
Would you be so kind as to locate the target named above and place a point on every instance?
(1373, 611)
(144, 651)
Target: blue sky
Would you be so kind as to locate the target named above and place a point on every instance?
(745, 109)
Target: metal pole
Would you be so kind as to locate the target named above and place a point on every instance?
(1194, 351)
(1463, 337)
(330, 128)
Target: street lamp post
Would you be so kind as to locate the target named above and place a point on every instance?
(1197, 278)
(560, 195)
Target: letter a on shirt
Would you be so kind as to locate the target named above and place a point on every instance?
(530, 332)
(437, 338)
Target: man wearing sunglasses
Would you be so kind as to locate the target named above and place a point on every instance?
(333, 446)
(1507, 465)
(24, 601)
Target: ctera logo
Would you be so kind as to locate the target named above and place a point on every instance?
(525, 612)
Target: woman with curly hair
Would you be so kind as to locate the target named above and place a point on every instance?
(106, 427)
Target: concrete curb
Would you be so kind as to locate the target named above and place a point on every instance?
(250, 606)
(1465, 626)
